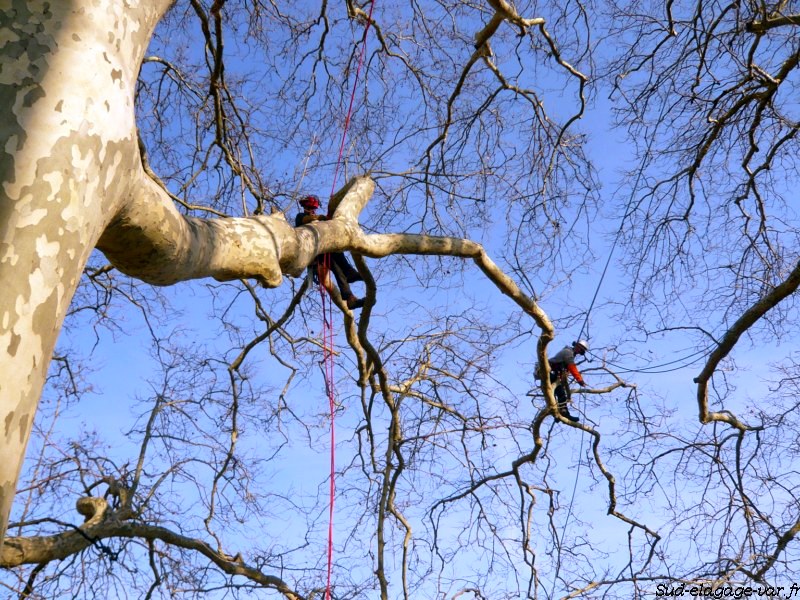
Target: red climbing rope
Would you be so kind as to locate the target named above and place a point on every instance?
(353, 95)
(327, 317)
(327, 350)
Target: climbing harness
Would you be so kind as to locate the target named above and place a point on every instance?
(327, 319)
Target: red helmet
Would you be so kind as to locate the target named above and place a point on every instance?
(310, 202)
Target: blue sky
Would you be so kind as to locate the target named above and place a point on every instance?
(126, 372)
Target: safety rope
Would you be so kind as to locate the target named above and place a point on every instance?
(585, 329)
(327, 354)
(327, 317)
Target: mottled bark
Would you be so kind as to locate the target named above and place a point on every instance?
(68, 157)
(152, 241)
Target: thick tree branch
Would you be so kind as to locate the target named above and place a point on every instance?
(42, 549)
(152, 241)
(729, 340)
(100, 525)
(772, 23)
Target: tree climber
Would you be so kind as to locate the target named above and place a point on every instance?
(560, 364)
(343, 271)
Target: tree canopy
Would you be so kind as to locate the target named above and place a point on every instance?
(496, 155)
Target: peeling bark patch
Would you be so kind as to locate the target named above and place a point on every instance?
(44, 317)
(32, 96)
(20, 22)
(6, 498)
(9, 419)
(12, 347)
(23, 428)
(22, 66)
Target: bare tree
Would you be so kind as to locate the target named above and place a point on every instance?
(711, 234)
(163, 135)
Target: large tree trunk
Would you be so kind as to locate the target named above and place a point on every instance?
(68, 156)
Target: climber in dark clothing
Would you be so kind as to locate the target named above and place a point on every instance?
(561, 364)
(343, 271)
